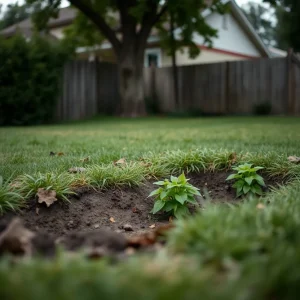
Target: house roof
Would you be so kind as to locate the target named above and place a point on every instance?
(65, 17)
(245, 24)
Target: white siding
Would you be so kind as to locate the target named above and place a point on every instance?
(206, 56)
(231, 36)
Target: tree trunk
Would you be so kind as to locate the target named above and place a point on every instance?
(131, 84)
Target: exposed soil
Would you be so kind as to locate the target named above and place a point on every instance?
(114, 209)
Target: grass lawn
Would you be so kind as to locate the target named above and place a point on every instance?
(26, 149)
(245, 251)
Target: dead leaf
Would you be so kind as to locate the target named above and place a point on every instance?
(86, 159)
(16, 239)
(37, 210)
(52, 153)
(121, 161)
(60, 154)
(135, 210)
(294, 159)
(47, 196)
(152, 226)
(77, 170)
(232, 158)
(260, 206)
(112, 220)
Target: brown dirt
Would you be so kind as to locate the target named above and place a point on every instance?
(92, 210)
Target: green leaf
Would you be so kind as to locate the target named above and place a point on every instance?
(232, 176)
(181, 212)
(258, 168)
(169, 206)
(260, 180)
(158, 205)
(246, 188)
(155, 192)
(163, 195)
(181, 198)
(174, 179)
(159, 183)
(249, 179)
(256, 189)
(182, 178)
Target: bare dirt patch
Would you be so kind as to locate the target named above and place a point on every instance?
(124, 210)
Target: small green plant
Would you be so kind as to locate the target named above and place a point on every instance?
(61, 184)
(9, 200)
(174, 195)
(247, 180)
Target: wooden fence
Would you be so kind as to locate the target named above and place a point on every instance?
(88, 89)
(91, 88)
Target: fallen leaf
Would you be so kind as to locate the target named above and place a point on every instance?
(47, 196)
(37, 210)
(112, 220)
(16, 239)
(121, 161)
(77, 170)
(294, 159)
(232, 158)
(135, 210)
(86, 159)
(60, 154)
(130, 251)
(260, 206)
(52, 153)
(152, 226)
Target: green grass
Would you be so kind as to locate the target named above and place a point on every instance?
(26, 149)
(248, 251)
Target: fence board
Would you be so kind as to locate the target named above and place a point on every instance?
(90, 88)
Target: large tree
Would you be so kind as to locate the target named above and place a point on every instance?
(136, 19)
(263, 21)
(14, 13)
(288, 23)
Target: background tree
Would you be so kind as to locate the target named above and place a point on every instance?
(136, 19)
(14, 13)
(288, 23)
(263, 21)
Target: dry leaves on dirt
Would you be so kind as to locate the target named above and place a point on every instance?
(77, 170)
(16, 239)
(232, 159)
(260, 206)
(119, 162)
(46, 196)
(149, 238)
(294, 159)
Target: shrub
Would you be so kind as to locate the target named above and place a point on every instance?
(263, 108)
(30, 75)
(247, 181)
(9, 200)
(173, 196)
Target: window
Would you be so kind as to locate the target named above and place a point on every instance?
(152, 58)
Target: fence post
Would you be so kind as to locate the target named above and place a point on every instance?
(227, 88)
(290, 83)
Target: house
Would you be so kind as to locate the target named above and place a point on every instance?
(237, 40)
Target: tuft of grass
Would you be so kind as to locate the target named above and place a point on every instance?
(10, 200)
(60, 183)
(103, 176)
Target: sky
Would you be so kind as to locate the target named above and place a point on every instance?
(240, 2)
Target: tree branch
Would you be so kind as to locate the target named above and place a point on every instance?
(149, 20)
(99, 21)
